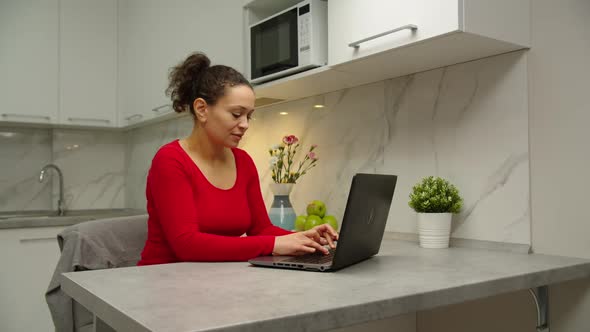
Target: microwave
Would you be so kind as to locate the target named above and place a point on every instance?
(291, 41)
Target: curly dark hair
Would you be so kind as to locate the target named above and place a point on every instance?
(196, 78)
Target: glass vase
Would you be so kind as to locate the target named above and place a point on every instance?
(281, 211)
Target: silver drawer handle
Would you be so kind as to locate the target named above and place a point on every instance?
(44, 117)
(134, 117)
(88, 119)
(38, 239)
(356, 44)
(160, 108)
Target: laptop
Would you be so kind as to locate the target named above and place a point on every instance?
(361, 233)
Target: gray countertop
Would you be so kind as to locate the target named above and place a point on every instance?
(238, 297)
(29, 219)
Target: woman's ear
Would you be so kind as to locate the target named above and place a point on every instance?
(200, 107)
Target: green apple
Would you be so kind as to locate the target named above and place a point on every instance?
(332, 221)
(316, 208)
(313, 221)
(300, 223)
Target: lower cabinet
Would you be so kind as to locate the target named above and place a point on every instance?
(28, 257)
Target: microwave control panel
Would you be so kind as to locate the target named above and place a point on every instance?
(304, 27)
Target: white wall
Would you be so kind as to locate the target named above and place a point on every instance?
(559, 114)
(559, 87)
(559, 70)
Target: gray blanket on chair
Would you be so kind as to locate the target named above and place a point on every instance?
(92, 245)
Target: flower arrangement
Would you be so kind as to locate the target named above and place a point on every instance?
(435, 195)
(282, 160)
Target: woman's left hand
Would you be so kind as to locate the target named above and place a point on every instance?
(323, 234)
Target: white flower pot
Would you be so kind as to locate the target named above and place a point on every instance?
(434, 229)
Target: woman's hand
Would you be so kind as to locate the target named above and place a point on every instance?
(323, 234)
(306, 242)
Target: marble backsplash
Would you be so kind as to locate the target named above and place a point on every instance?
(92, 163)
(23, 152)
(466, 122)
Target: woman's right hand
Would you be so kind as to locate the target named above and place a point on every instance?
(296, 244)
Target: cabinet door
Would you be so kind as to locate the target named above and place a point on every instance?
(350, 21)
(88, 62)
(29, 257)
(156, 35)
(28, 61)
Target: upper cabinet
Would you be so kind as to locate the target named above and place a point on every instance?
(105, 63)
(29, 61)
(373, 40)
(156, 35)
(375, 26)
(145, 51)
(88, 62)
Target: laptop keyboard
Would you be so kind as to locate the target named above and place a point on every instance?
(315, 258)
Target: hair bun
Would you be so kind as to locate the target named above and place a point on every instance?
(196, 64)
(196, 78)
(184, 80)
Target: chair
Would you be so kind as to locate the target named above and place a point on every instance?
(92, 245)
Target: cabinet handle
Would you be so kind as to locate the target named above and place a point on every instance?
(160, 108)
(31, 116)
(88, 119)
(357, 43)
(38, 239)
(136, 116)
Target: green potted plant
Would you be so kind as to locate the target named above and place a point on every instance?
(435, 200)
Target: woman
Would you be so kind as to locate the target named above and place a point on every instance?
(203, 192)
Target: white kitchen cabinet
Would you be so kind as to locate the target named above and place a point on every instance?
(351, 20)
(29, 61)
(464, 30)
(88, 63)
(446, 32)
(29, 257)
(156, 35)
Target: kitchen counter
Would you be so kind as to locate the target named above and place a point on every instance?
(29, 219)
(403, 278)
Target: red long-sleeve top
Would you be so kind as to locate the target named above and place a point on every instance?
(192, 220)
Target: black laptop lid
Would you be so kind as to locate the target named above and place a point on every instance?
(364, 219)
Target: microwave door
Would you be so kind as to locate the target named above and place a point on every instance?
(274, 45)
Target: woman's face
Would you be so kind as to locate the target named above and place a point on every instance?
(227, 120)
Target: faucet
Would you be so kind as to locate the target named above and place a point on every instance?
(60, 203)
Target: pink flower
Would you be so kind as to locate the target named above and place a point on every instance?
(290, 139)
(312, 156)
